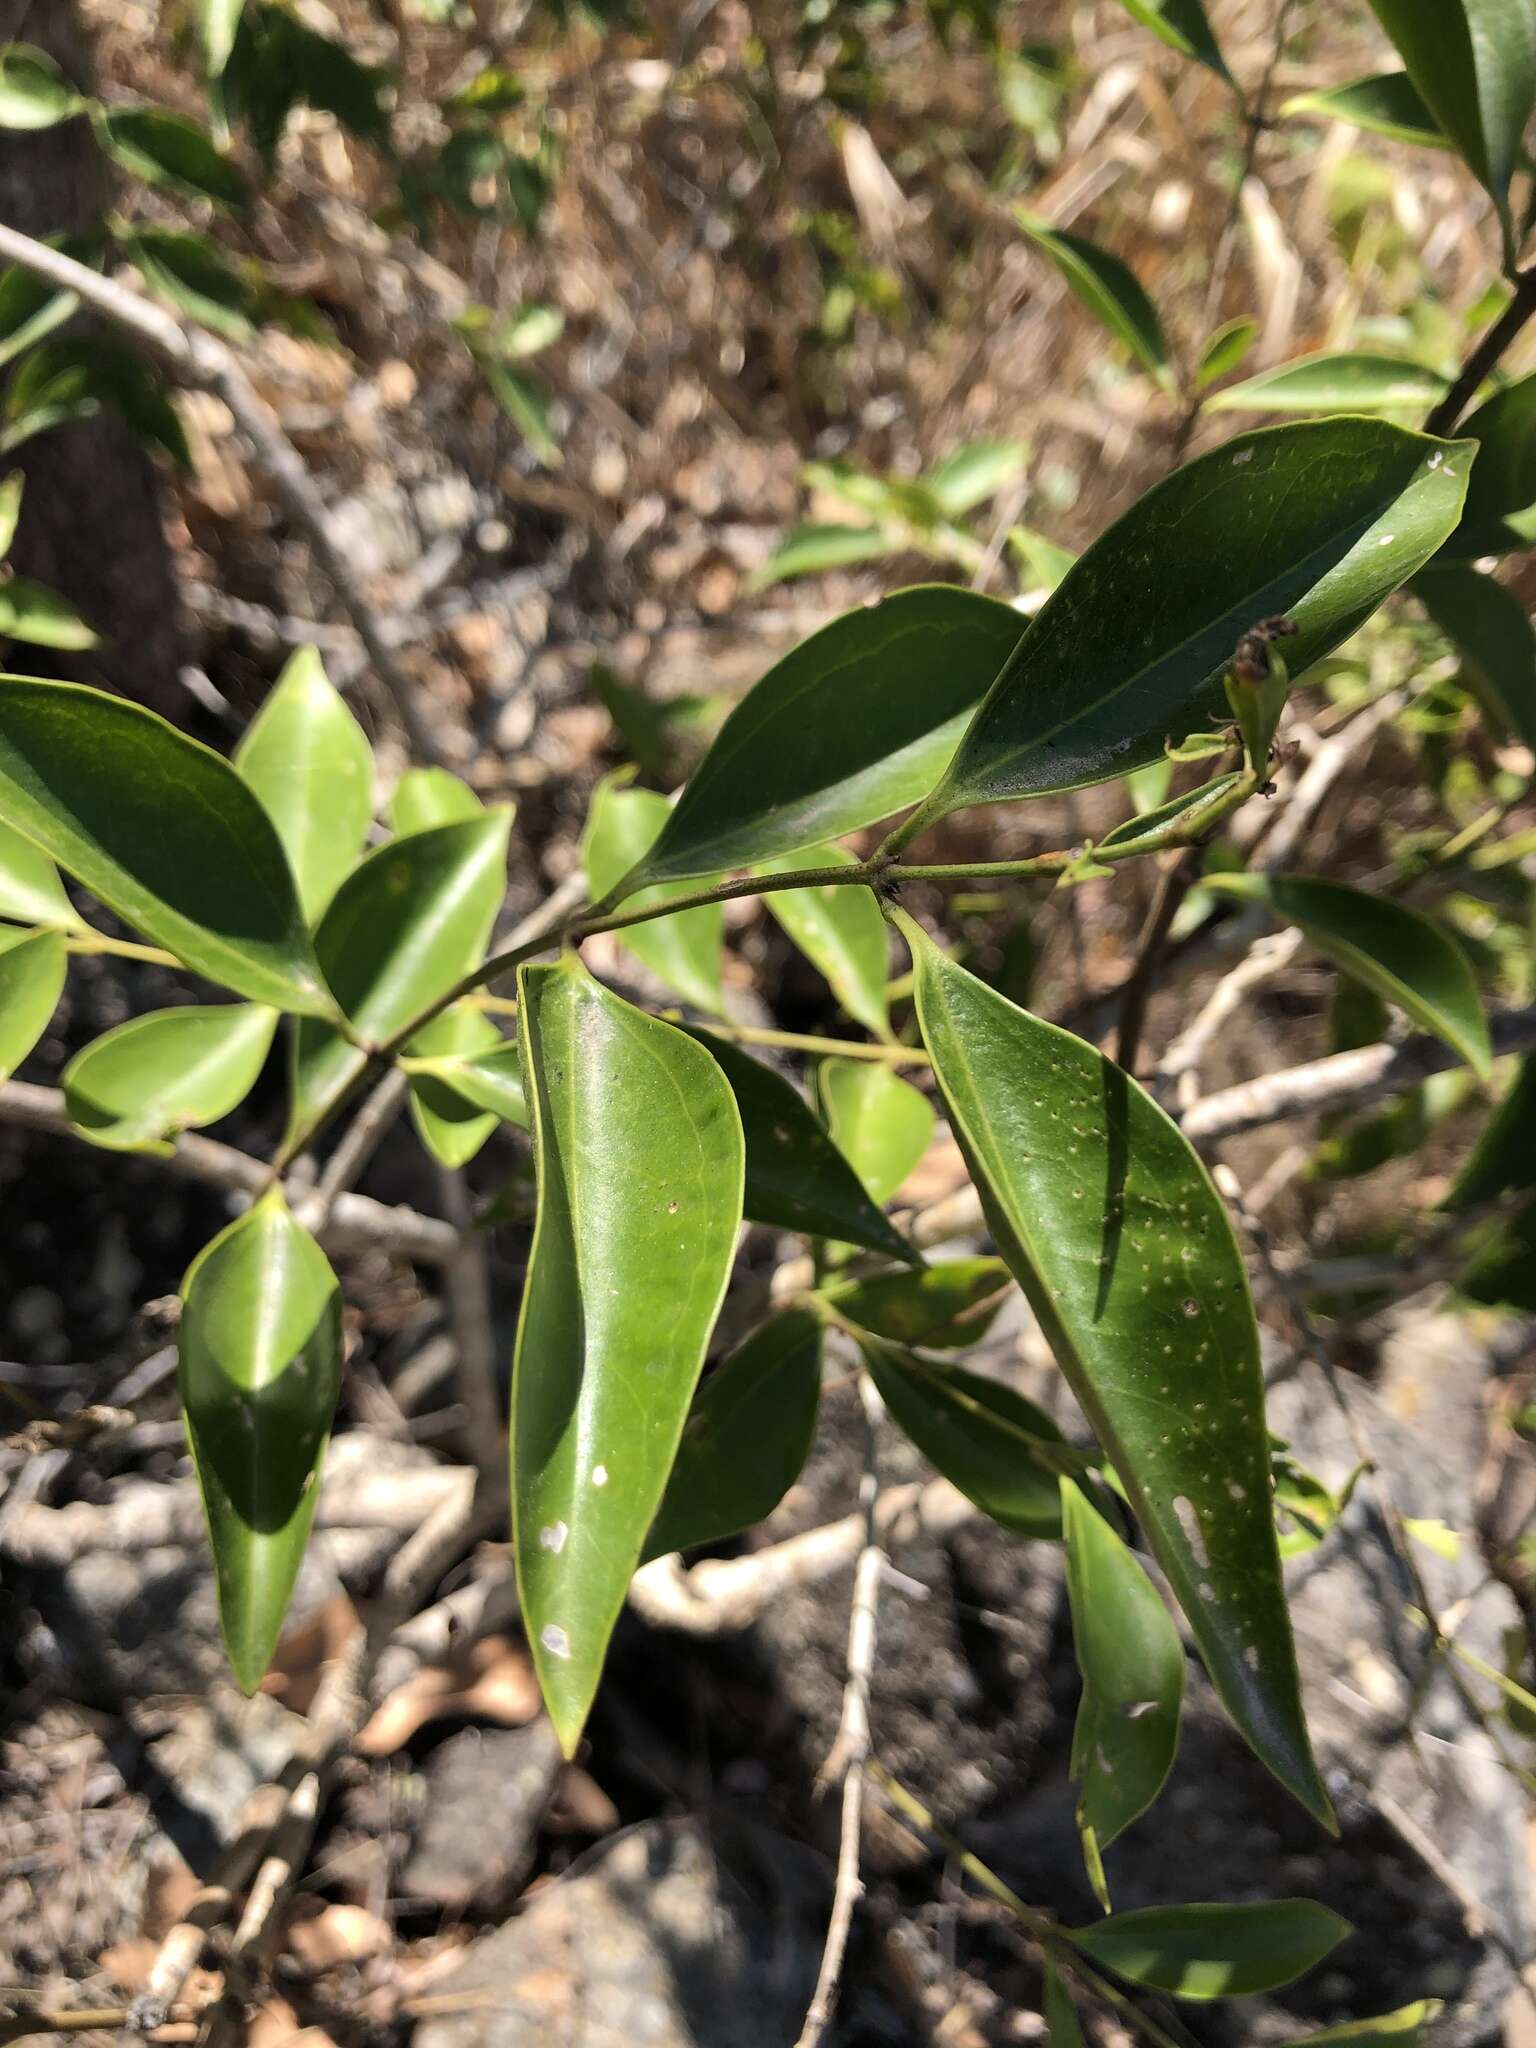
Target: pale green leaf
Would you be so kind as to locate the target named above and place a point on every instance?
(1201, 1952)
(167, 1071)
(685, 951)
(1389, 105)
(32, 970)
(311, 766)
(1348, 382)
(840, 930)
(30, 611)
(1109, 289)
(30, 889)
(944, 1307)
(424, 797)
(34, 93)
(881, 1124)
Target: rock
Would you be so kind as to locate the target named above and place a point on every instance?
(484, 1793)
(672, 1935)
(1431, 1866)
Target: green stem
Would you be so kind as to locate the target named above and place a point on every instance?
(802, 1041)
(124, 949)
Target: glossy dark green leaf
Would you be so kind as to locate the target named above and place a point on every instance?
(451, 1124)
(1110, 1224)
(260, 1350)
(1390, 104)
(1503, 1161)
(1183, 25)
(1404, 2028)
(1181, 817)
(998, 1448)
(943, 1307)
(198, 279)
(746, 1437)
(1500, 512)
(163, 831)
(30, 889)
(311, 766)
(1350, 382)
(856, 723)
(1400, 953)
(1062, 2028)
(1201, 1952)
(840, 931)
(1225, 349)
(1319, 522)
(1474, 65)
(32, 970)
(881, 1124)
(797, 1179)
(403, 927)
(34, 93)
(1132, 1665)
(1491, 631)
(640, 1157)
(164, 148)
(31, 612)
(424, 797)
(685, 951)
(167, 1071)
(1109, 289)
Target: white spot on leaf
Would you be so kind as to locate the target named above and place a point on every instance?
(599, 1475)
(555, 1639)
(553, 1538)
(1194, 1535)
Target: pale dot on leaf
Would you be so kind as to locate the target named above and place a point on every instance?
(553, 1538)
(555, 1639)
(599, 1475)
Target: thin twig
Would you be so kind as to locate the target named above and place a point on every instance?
(1485, 358)
(202, 360)
(849, 1754)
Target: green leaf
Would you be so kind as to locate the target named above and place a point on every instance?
(452, 1126)
(1062, 2029)
(1109, 289)
(30, 308)
(1500, 512)
(1201, 1952)
(972, 474)
(164, 148)
(840, 931)
(1348, 382)
(311, 766)
(1400, 953)
(260, 1349)
(163, 831)
(746, 1437)
(640, 1158)
(526, 404)
(857, 722)
(197, 278)
(1401, 2029)
(813, 547)
(1043, 564)
(881, 1124)
(73, 376)
(1181, 817)
(796, 1178)
(34, 93)
(684, 951)
(1503, 1161)
(10, 509)
(1474, 64)
(1491, 630)
(998, 1448)
(1110, 1224)
(424, 797)
(1224, 350)
(1132, 1664)
(32, 970)
(1183, 26)
(1389, 105)
(1319, 522)
(402, 929)
(170, 1070)
(490, 91)
(218, 22)
(944, 1307)
(31, 612)
(30, 889)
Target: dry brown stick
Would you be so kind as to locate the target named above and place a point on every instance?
(356, 1220)
(202, 360)
(850, 1750)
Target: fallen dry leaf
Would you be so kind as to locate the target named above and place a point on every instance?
(277, 2026)
(338, 1934)
(490, 1680)
(295, 1671)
